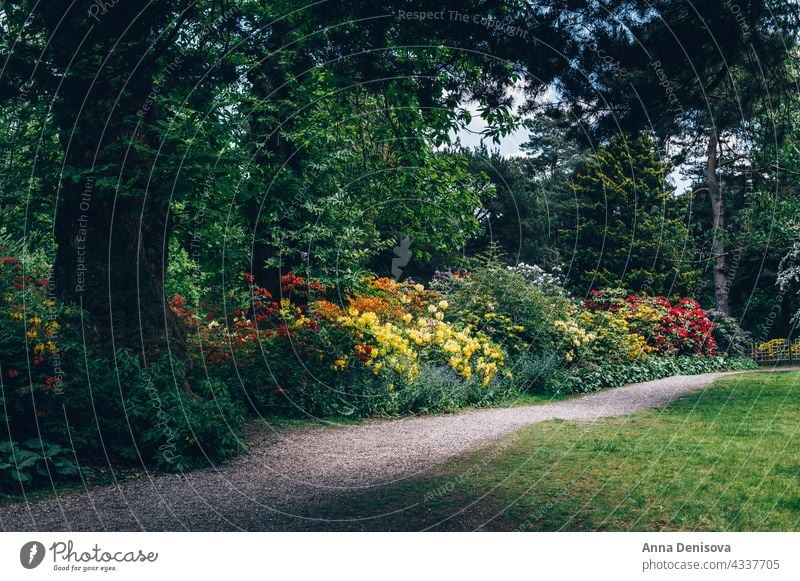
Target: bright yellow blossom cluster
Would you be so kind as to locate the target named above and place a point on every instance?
(614, 334)
(575, 337)
(775, 348)
(400, 345)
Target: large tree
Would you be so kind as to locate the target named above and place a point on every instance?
(134, 98)
(693, 73)
(118, 84)
(630, 228)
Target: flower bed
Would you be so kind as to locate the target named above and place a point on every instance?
(490, 328)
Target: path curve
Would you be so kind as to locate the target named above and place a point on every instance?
(286, 474)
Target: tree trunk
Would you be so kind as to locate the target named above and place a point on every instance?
(718, 225)
(111, 261)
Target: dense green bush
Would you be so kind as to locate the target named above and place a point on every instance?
(535, 373)
(514, 312)
(731, 339)
(594, 377)
(147, 417)
(34, 463)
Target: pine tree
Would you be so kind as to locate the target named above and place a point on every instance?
(630, 228)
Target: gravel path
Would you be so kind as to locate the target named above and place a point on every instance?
(289, 473)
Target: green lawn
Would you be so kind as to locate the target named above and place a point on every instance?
(723, 459)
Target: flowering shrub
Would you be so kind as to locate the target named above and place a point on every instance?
(575, 337)
(656, 324)
(289, 352)
(547, 281)
(30, 330)
(777, 349)
(384, 338)
(500, 302)
(217, 336)
(478, 326)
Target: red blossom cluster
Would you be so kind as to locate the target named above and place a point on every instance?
(686, 330)
(674, 327)
(241, 334)
(295, 285)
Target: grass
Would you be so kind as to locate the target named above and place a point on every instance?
(723, 459)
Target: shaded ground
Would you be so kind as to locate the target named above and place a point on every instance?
(314, 478)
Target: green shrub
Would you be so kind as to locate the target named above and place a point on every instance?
(439, 389)
(534, 373)
(146, 416)
(593, 377)
(731, 339)
(515, 313)
(34, 464)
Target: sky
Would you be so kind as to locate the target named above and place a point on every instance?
(509, 146)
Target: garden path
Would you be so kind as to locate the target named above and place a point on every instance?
(290, 473)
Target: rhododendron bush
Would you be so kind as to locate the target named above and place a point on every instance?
(472, 336)
(639, 325)
(302, 346)
(316, 349)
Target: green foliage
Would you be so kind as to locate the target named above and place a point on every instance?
(501, 303)
(535, 373)
(439, 389)
(358, 187)
(731, 339)
(631, 230)
(34, 463)
(594, 377)
(145, 416)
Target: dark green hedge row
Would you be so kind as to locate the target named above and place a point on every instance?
(601, 376)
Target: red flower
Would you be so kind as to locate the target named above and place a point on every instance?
(177, 301)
